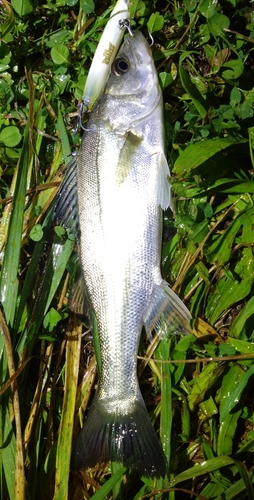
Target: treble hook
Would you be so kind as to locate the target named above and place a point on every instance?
(125, 23)
(82, 110)
(151, 38)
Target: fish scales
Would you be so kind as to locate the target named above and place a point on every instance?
(122, 185)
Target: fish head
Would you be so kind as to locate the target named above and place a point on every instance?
(132, 91)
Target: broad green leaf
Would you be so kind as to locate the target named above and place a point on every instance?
(23, 7)
(10, 136)
(60, 54)
(196, 154)
(51, 319)
(208, 8)
(156, 22)
(235, 96)
(235, 70)
(241, 345)
(57, 37)
(165, 79)
(217, 23)
(244, 110)
(87, 6)
(36, 233)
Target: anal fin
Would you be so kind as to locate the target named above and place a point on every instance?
(167, 309)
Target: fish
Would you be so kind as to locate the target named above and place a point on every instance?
(121, 178)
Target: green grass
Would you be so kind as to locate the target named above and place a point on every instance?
(198, 388)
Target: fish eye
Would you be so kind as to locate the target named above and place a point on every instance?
(120, 66)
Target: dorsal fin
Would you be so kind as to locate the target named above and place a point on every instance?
(66, 208)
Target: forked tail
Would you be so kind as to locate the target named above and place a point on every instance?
(126, 438)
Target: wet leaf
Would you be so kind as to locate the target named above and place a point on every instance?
(236, 393)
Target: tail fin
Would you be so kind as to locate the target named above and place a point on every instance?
(126, 438)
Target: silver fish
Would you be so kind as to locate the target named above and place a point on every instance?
(122, 184)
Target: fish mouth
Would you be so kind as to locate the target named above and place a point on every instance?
(136, 43)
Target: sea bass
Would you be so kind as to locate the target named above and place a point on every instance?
(122, 184)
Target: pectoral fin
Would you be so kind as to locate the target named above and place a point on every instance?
(132, 141)
(164, 195)
(167, 309)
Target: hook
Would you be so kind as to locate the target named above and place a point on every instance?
(151, 38)
(82, 110)
(125, 23)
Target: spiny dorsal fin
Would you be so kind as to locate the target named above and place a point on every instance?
(66, 208)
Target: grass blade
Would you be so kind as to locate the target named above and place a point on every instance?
(9, 273)
(19, 465)
(109, 485)
(63, 456)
